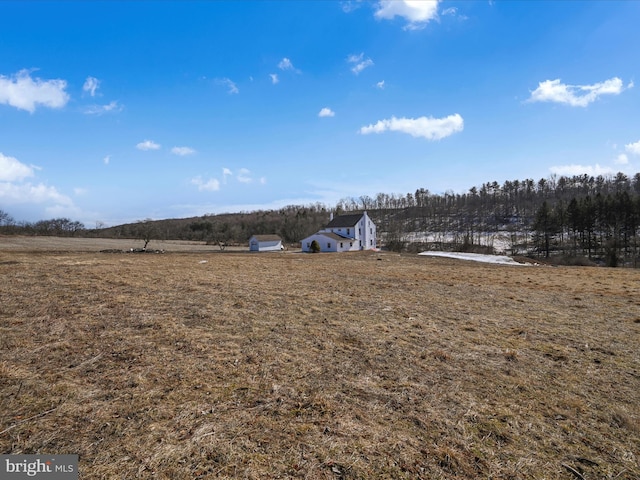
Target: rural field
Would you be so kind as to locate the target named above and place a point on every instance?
(198, 363)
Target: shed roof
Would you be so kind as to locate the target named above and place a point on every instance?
(267, 238)
(345, 221)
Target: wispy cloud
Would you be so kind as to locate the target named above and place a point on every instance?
(274, 78)
(380, 85)
(91, 85)
(359, 62)
(182, 151)
(576, 169)
(106, 159)
(244, 175)
(286, 64)
(426, 127)
(148, 145)
(26, 93)
(349, 6)
(416, 13)
(633, 148)
(210, 185)
(232, 88)
(111, 107)
(576, 95)
(226, 173)
(326, 112)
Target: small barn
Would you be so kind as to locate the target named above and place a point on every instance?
(265, 243)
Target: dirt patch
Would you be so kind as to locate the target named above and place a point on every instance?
(364, 365)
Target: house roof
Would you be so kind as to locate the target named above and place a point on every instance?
(267, 238)
(332, 236)
(345, 221)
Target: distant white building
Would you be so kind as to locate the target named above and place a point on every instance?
(265, 243)
(345, 233)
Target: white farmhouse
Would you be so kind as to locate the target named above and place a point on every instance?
(344, 233)
(265, 243)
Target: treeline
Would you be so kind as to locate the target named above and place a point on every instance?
(59, 227)
(597, 218)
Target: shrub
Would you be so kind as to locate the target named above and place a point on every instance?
(315, 246)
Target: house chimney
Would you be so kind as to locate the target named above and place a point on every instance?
(330, 216)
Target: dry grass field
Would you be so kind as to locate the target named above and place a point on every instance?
(328, 366)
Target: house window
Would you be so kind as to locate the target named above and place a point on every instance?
(328, 245)
(351, 244)
(371, 242)
(308, 245)
(359, 231)
(371, 231)
(348, 231)
(340, 244)
(361, 243)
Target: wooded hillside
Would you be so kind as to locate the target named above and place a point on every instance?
(596, 218)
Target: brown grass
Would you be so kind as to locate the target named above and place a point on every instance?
(319, 366)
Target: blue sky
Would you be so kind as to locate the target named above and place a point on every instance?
(119, 111)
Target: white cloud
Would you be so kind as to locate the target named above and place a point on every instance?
(274, 78)
(621, 159)
(148, 145)
(90, 86)
(111, 107)
(633, 148)
(80, 191)
(417, 12)
(182, 151)
(232, 87)
(107, 159)
(285, 64)
(15, 193)
(575, 95)
(11, 169)
(263, 181)
(573, 169)
(326, 112)
(425, 127)
(211, 185)
(226, 173)
(380, 85)
(23, 92)
(359, 63)
(244, 175)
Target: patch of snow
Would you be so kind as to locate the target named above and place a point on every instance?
(500, 241)
(475, 257)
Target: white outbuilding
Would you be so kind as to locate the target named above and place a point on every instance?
(265, 243)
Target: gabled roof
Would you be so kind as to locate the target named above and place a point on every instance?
(267, 238)
(345, 221)
(332, 236)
